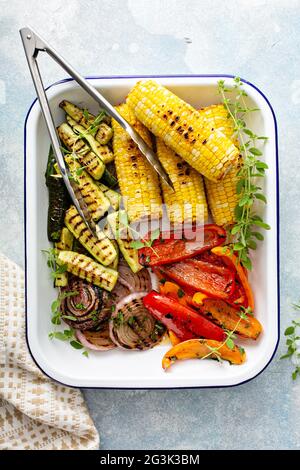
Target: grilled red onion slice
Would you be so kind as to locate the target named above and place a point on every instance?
(96, 340)
(83, 310)
(132, 326)
(135, 282)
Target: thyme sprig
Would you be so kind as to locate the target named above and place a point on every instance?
(95, 123)
(245, 232)
(55, 268)
(67, 334)
(292, 334)
(230, 337)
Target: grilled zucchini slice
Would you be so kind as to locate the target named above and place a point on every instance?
(85, 268)
(101, 248)
(103, 151)
(58, 200)
(86, 157)
(65, 243)
(130, 254)
(108, 233)
(103, 132)
(97, 203)
(113, 196)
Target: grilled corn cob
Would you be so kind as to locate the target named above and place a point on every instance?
(222, 196)
(93, 196)
(216, 116)
(101, 248)
(103, 151)
(182, 128)
(85, 268)
(85, 156)
(102, 131)
(187, 203)
(138, 181)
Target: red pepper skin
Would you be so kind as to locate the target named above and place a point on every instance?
(180, 318)
(215, 281)
(169, 250)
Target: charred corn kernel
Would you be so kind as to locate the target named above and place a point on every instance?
(222, 196)
(138, 181)
(182, 128)
(187, 203)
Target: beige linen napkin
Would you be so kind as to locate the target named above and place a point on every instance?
(35, 412)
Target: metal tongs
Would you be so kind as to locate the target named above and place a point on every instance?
(33, 44)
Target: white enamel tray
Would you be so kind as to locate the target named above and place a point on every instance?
(131, 369)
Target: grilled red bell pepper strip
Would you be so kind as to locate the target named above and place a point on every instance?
(169, 250)
(215, 281)
(239, 297)
(182, 320)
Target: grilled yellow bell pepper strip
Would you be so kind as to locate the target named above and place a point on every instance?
(202, 348)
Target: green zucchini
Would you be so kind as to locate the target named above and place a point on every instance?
(130, 254)
(87, 269)
(103, 151)
(108, 233)
(96, 201)
(58, 200)
(113, 196)
(79, 248)
(108, 179)
(115, 263)
(87, 119)
(88, 159)
(65, 243)
(101, 248)
(104, 133)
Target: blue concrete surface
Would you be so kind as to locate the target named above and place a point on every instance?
(258, 40)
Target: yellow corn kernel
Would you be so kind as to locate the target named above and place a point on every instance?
(222, 196)
(138, 181)
(187, 203)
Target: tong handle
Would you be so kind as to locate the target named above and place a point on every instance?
(32, 45)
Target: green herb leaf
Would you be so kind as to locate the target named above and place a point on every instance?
(76, 345)
(230, 343)
(180, 293)
(255, 151)
(289, 331)
(137, 244)
(258, 235)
